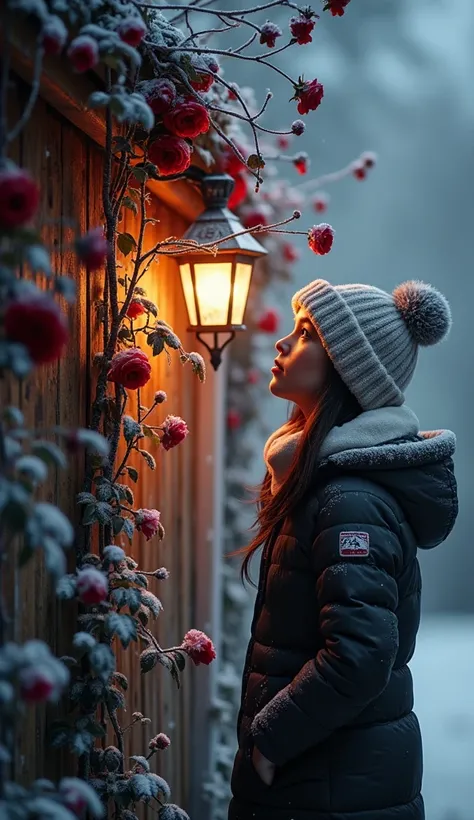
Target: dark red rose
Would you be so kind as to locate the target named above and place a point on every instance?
(19, 198)
(187, 119)
(301, 28)
(39, 325)
(320, 238)
(309, 96)
(130, 368)
(170, 154)
(159, 94)
(132, 31)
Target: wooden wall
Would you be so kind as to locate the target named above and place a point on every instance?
(68, 168)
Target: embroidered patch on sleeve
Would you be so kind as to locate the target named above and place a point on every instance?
(354, 544)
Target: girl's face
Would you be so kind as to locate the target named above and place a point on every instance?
(302, 366)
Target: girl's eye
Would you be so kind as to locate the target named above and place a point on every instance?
(305, 333)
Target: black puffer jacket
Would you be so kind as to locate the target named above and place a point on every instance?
(327, 693)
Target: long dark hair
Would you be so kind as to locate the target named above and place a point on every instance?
(336, 405)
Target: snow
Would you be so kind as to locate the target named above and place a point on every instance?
(443, 668)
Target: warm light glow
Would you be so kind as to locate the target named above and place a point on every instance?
(243, 272)
(213, 291)
(187, 282)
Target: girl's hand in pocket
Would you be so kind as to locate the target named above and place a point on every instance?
(264, 768)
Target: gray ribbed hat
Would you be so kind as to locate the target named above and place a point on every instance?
(372, 337)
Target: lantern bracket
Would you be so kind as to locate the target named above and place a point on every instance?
(216, 351)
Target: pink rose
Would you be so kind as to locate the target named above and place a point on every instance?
(36, 685)
(130, 368)
(132, 31)
(148, 522)
(199, 647)
(19, 198)
(159, 742)
(174, 430)
(83, 53)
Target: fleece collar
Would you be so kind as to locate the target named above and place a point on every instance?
(372, 439)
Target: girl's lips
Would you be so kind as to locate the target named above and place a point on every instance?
(276, 370)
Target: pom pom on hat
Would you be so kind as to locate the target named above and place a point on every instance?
(425, 311)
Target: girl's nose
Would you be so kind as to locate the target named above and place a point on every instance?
(282, 346)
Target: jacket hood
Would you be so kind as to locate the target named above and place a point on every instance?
(416, 468)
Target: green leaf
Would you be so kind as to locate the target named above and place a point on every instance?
(180, 660)
(49, 452)
(148, 458)
(89, 516)
(121, 680)
(133, 473)
(155, 341)
(148, 659)
(128, 202)
(149, 433)
(139, 173)
(117, 524)
(126, 243)
(121, 144)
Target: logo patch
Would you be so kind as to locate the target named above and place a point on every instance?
(354, 543)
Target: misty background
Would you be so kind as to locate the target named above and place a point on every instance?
(397, 76)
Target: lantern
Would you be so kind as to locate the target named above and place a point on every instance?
(216, 288)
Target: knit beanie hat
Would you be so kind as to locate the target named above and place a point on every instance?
(372, 337)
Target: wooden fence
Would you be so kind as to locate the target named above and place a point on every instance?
(68, 167)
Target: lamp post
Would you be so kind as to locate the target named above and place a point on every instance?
(216, 288)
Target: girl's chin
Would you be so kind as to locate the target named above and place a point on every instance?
(276, 388)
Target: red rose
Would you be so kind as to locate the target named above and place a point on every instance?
(92, 586)
(254, 218)
(187, 119)
(74, 801)
(269, 33)
(19, 198)
(92, 249)
(171, 155)
(301, 28)
(234, 420)
(283, 142)
(199, 647)
(159, 94)
(130, 368)
(36, 685)
(269, 322)
(239, 193)
(135, 309)
(320, 238)
(54, 35)
(83, 53)
(320, 203)
(203, 82)
(39, 325)
(132, 31)
(148, 522)
(336, 7)
(174, 430)
(232, 92)
(309, 96)
(290, 253)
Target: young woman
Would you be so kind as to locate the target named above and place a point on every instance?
(353, 489)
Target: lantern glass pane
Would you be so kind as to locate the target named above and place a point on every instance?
(213, 291)
(243, 272)
(187, 283)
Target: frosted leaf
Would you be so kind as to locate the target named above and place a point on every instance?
(36, 7)
(161, 787)
(33, 468)
(148, 659)
(46, 807)
(49, 452)
(131, 428)
(54, 558)
(66, 587)
(15, 357)
(172, 812)
(151, 601)
(124, 626)
(102, 661)
(114, 554)
(93, 442)
(83, 640)
(13, 416)
(98, 99)
(13, 449)
(66, 287)
(141, 787)
(38, 259)
(6, 692)
(48, 521)
(128, 528)
(142, 761)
